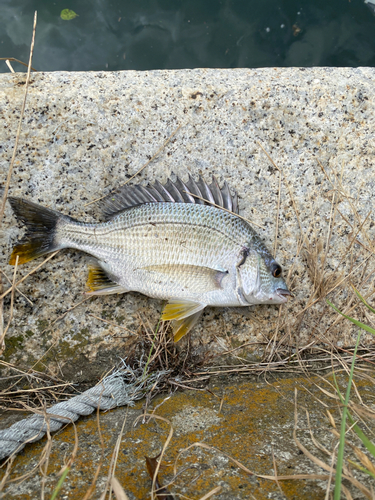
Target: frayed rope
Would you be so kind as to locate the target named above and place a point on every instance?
(123, 387)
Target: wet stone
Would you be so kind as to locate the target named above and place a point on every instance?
(248, 420)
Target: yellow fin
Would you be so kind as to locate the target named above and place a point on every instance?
(26, 252)
(183, 326)
(41, 223)
(180, 309)
(100, 282)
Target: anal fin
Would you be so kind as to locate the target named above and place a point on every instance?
(183, 326)
(100, 281)
(183, 314)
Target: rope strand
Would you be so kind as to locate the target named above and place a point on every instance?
(123, 387)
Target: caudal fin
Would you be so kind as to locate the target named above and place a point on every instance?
(40, 225)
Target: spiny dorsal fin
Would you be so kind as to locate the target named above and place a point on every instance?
(173, 192)
(100, 281)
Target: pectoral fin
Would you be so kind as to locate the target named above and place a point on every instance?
(197, 279)
(183, 314)
(100, 281)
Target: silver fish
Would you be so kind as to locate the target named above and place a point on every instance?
(166, 242)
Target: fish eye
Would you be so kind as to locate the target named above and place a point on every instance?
(276, 270)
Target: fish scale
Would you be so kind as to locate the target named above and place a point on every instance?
(203, 236)
(161, 243)
(177, 234)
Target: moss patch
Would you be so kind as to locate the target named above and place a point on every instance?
(255, 421)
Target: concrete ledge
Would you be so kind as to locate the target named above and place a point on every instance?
(85, 133)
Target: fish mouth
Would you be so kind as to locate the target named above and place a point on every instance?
(284, 294)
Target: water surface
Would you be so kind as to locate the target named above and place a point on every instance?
(167, 34)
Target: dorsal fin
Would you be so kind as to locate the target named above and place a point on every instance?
(172, 192)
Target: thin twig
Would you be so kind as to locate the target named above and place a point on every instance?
(275, 469)
(16, 60)
(286, 183)
(211, 493)
(35, 389)
(242, 467)
(277, 217)
(7, 62)
(66, 312)
(6, 189)
(112, 323)
(118, 489)
(90, 490)
(160, 458)
(19, 291)
(330, 229)
(31, 272)
(112, 466)
(2, 343)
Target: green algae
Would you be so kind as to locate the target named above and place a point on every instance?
(42, 324)
(71, 348)
(13, 345)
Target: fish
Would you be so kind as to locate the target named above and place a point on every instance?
(183, 243)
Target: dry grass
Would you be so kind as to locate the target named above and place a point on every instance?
(354, 267)
(163, 354)
(7, 183)
(189, 369)
(8, 60)
(363, 415)
(322, 282)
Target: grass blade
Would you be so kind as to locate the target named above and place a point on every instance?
(60, 483)
(356, 322)
(363, 300)
(362, 436)
(363, 469)
(340, 453)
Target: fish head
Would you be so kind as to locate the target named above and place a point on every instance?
(261, 280)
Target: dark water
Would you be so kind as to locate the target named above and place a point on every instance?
(166, 34)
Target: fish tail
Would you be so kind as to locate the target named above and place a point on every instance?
(41, 224)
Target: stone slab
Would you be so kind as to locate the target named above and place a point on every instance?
(85, 133)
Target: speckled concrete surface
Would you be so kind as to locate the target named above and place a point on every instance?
(85, 133)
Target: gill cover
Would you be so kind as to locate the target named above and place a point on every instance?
(248, 275)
